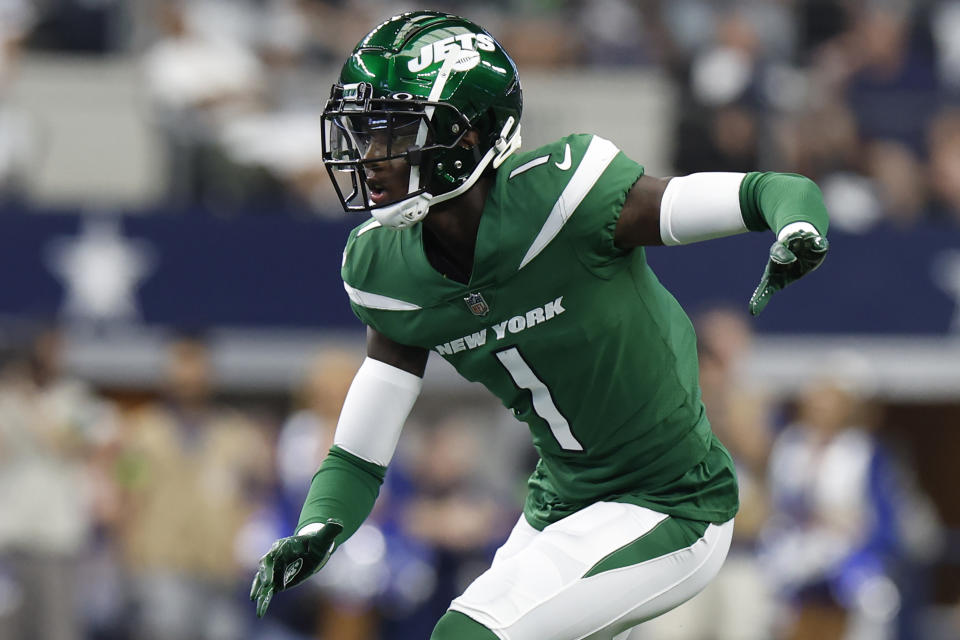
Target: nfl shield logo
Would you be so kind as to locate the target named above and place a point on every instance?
(477, 304)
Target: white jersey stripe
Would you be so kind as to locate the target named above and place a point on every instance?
(524, 377)
(600, 153)
(526, 166)
(373, 224)
(377, 301)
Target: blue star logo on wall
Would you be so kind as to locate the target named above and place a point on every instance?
(100, 270)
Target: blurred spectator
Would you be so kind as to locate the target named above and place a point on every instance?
(695, 25)
(945, 28)
(720, 125)
(612, 32)
(51, 430)
(194, 472)
(442, 520)
(197, 83)
(901, 180)
(284, 137)
(943, 140)
(81, 26)
(17, 18)
(740, 416)
(891, 73)
(819, 22)
(236, 106)
(18, 144)
(848, 526)
(451, 511)
(822, 140)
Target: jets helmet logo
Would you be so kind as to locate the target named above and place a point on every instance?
(477, 305)
(451, 46)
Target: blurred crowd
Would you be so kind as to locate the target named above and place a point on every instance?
(141, 515)
(861, 95)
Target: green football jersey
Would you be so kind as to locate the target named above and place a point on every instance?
(577, 337)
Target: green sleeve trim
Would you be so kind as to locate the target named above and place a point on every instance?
(344, 488)
(771, 200)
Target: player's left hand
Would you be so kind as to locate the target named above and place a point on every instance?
(292, 560)
(791, 257)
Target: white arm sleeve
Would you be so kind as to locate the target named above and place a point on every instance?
(701, 206)
(377, 404)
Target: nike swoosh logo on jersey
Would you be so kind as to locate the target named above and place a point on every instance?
(563, 166)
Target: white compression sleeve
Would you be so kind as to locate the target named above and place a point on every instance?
(377, 404)
(701, 206)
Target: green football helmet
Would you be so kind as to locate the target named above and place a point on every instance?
(411, 90)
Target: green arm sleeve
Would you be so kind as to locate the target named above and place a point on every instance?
(344, 488)
(773, 200)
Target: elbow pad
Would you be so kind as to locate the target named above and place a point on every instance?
(701, 206)
(377, 404)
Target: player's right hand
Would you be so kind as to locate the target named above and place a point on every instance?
(292, 560)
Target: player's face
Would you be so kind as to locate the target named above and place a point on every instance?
(380, 141)
(388, 179)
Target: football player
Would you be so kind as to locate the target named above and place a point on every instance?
(526, 271)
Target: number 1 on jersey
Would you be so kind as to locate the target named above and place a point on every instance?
(524, 377)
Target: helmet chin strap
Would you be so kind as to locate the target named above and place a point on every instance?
(411, 210)
(403, 213)
(506, 146)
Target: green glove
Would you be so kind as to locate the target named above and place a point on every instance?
(292, 560)
(796, 255)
